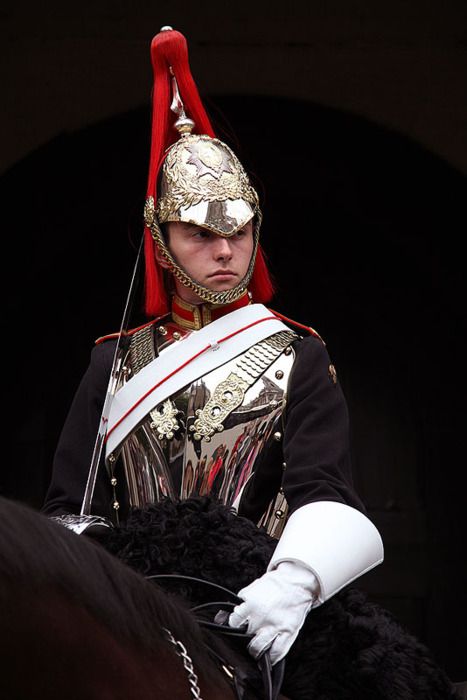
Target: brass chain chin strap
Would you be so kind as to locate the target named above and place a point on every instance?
(204, 293)
(181, 651)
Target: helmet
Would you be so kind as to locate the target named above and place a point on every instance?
(194, 178)
(204, 183)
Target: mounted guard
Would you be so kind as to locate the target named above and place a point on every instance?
(216, 394)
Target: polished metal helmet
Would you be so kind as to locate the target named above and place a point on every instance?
(202, 182)
(193, 178)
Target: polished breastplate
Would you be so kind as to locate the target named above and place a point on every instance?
(219, 436)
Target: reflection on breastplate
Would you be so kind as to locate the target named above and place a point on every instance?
(218, 435)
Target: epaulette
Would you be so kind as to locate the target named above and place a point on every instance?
(296, 324)
(130, 332)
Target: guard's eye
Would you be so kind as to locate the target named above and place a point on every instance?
(201, 233)
(242, 233)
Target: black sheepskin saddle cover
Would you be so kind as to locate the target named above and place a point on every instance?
(348, 649)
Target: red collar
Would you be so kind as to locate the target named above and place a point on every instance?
(196, 316)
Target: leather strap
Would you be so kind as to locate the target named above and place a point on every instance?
(272, 676)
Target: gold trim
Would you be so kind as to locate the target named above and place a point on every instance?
(207, 316)
(184, 323)
(193, 325)
(201, 313)
(184, 304)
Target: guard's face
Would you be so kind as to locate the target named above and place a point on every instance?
(213, 261)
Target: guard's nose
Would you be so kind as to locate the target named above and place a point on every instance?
(223, 249)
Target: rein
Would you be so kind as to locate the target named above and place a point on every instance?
(272, 676)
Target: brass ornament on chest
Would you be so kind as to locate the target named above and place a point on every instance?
(230, 393)
(227, 396)
(165, 420)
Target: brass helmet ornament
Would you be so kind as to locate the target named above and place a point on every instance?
(201, 180)
(204, 183)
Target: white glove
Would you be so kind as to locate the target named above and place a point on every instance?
(275, 608)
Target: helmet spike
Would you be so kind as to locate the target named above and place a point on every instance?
(184, 124)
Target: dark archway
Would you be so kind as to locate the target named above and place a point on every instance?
(362, 227)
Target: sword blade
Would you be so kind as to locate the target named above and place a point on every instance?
(111, 388)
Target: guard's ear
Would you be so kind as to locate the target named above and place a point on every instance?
(160, 259)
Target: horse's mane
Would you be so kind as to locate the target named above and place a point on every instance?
(38, 554)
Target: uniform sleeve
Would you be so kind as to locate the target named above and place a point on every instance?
(316, 433)
(75, 447)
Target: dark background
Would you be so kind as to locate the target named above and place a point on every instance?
(352, 120)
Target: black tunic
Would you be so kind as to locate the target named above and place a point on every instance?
(315, 439)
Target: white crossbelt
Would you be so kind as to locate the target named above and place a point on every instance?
(185, 361)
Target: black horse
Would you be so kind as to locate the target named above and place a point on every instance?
(76, 623)
(349, 648)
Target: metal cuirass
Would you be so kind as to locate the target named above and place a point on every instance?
(221, 435)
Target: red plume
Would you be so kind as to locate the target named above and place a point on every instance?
(169, 51)
(261, 285)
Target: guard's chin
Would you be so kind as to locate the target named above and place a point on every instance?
(221, 285)
(224, 287)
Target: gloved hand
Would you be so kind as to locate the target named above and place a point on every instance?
(275, 608)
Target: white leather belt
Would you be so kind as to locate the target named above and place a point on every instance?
(185, 361)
